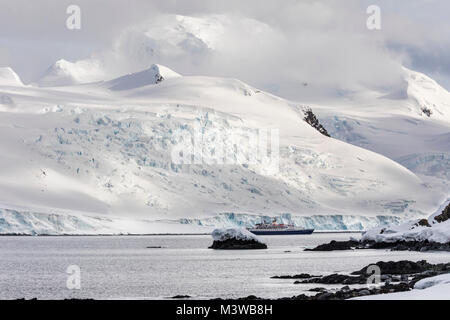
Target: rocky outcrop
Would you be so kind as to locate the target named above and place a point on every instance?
(405, 267)
(235, 239)
(427, 111)
(423, 223)
(237, 244)
(312, 120)
(338, 245)
(444, 216)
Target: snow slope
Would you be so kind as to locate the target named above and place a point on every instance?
(410, 125)
(106, 150)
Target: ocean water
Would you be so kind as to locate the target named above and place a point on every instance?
(122, 267)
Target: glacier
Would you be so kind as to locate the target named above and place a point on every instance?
(317, 222)
(20, 222)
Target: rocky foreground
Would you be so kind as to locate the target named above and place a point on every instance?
(400, 276)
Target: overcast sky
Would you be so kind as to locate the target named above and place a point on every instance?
(271, 44)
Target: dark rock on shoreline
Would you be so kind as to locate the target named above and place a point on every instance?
(394, 246)
(337, 245)
(403, 267)
(320, 289)
(236, 244)
(391, 271)
(181, 296)
(347, 293)
(420, 246)
(336, 279)
(296, 276)
(251, 297)
(342, 294)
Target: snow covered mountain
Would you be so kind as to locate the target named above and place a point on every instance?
(99, 158)
(410, 125)
(65, 73)
(186, 43)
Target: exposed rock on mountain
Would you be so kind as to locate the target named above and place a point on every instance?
(312, 120)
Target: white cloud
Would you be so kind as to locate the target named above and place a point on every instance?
(272, 45)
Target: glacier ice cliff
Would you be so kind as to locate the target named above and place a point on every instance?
(33, 223)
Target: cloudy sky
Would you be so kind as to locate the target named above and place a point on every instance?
(275, 45)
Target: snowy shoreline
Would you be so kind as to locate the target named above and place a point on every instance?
(432, 234)
(434, 229)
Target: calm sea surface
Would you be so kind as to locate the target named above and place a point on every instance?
(122, 267)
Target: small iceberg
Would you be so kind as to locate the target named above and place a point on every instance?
(235, 239)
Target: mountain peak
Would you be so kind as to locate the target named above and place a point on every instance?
(8, 77)
(431, 98)
(153, 75)
(162, 72)
(66, 73)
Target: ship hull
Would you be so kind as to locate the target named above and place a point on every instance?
(280, 232)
